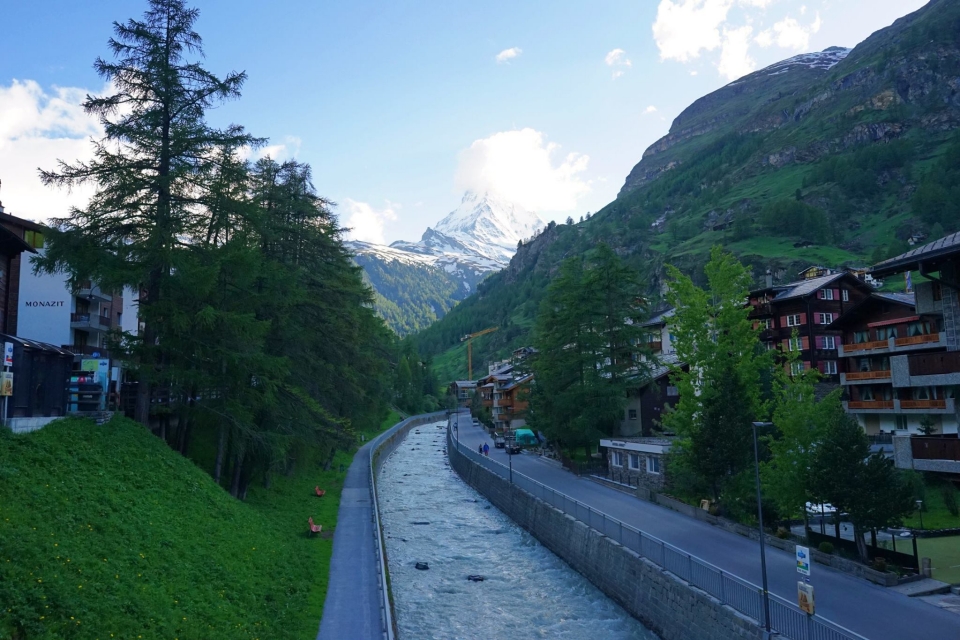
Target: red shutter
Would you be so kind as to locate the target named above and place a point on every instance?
(785, 345)
(819, 342)
(806, 365)
(803, 318)
(805, 342)
(783, 321)
(836, 294)
(816, 318)
(821, 367)
(821, 293)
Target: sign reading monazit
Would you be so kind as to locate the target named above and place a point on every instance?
(44, 303)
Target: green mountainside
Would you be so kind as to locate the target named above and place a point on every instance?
(799, 163)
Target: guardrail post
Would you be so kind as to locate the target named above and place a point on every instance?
(723, 593)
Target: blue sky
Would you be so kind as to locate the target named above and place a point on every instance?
(401, 106)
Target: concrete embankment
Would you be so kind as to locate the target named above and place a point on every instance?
(664, 603)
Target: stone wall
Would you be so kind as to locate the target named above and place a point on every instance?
(663, 602)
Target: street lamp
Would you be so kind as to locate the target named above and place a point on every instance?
(920, 510)
(763, 550)
(510, 458)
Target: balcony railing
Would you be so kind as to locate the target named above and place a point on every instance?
(86, 350)
(939, 403)
(932, 364)
(936, 448)
(89, 290)
(866, 346)
(868, 375)
(655, 345)
(89, 321)
(870, 404)
(921, 339)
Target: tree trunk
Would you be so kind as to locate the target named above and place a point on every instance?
(329, 462)
(861, 544)
(221, 448)
(237, 471)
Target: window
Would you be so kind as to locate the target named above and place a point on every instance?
(865, 364)
(768, 346)
(921, 328)
(33, 238)
(866, 394)
(794, 320)
(826, 294)
(672, 392)
(635, 461)
(937, 292)
(795, 344)
(632, 414)
(825, 318)
(902, 422)
(766, 323)
(861, 336)
(886, 332)
(830, 367)
(796, 368)
(829, 342)
(617, 459)
(653, 464)
(846, 295)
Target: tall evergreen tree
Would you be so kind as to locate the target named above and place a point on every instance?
(152, 171)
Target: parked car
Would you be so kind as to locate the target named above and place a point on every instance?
(499, 441)
(512, 447)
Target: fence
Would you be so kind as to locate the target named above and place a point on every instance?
(743, 596)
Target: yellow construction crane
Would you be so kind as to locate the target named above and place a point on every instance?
(469, 340)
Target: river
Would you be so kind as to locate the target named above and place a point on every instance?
(430, 515)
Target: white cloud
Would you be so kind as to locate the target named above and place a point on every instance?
(735, 60)
(618, 59)
(366, 223)
(281, 152)
(694, 72)
(792, 35)
(764, 38)
(37, 128)
(508, 54)
(650, 109)
(519, 165)
(683, 28)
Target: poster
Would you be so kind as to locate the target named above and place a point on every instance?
(8, 354)
(6, 383)
(803, 560)
(805, 597)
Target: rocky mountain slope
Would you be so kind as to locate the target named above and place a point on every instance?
(839, 158)
(416, 283)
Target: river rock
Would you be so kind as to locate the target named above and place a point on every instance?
(422, 566)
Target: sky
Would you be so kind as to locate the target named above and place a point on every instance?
(400, 107)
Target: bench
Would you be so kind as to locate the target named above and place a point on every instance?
(314, 528)
(320, 492)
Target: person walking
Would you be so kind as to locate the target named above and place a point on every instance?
(480, 448)
(486, 449)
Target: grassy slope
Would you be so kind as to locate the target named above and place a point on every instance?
(106, 532)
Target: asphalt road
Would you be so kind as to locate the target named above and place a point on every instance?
(868, 609)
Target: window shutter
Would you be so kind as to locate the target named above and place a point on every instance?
(805, 342)
(819, 342)
(783, 321)
(806, 365)
(820, 293)
(803, 318)
(786, 345)
(821, 367)
(836, 294)
(816, 318)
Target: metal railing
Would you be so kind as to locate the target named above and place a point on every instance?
(742, 595)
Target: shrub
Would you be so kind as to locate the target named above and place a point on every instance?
(880, 564)
(950, 499)
(782, 533)
(826, 547)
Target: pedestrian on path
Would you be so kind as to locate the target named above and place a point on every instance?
(486, 449)
(479, 448)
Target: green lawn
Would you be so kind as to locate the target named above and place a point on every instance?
(107, 532)
(935, 513)
(944, 554)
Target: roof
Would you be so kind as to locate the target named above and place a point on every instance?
(857, 311)
(11, 243)
(909, 299)
(465, 383)
(517, 383)
(910, 261)
(34, 345)
(660, 317)
(804, 288)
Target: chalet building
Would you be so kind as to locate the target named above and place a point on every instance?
(808, 307)
(510, 402)
(16, 237)
(925, 361)
(881, 336)
(463, 391)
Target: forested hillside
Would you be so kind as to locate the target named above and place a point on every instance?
(836, 158)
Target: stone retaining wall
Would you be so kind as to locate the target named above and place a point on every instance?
(663, 602)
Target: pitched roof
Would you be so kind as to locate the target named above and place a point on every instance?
(660, 317)
(909, 299)
(804, 288)
(910, 261)
(863, 307)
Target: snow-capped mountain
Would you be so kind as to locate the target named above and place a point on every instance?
(475, 239)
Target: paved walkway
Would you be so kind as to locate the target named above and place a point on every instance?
(870, 610)
(352, 607)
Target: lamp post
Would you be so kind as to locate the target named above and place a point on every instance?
(763, 550)
(456, 430)
(920, 511)
(510, 458)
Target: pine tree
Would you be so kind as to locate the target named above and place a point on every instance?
(152, 171)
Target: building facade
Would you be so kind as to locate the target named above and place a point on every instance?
(637, 461)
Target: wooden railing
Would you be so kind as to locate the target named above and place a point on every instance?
(939, 403)
(870, 404)
(868, 375)
(931, 364)
(655, 345)
(936, 448)
(922, 339)
(866, 346)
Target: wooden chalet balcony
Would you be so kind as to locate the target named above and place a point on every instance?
(932, 364)
(656, 345)
(912, 340)
(870, 404)
(935, 448)
(939, 403)
(869, 375)
(865, 346)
